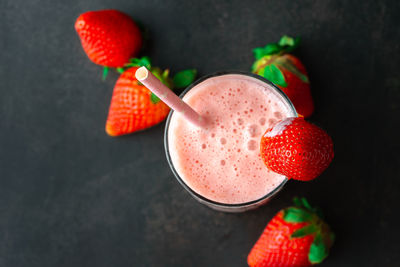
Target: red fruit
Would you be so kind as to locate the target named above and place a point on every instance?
(297, 149)
(109, 37)
(295, 237)
(297, 90)
(133, 107)
(286, 71)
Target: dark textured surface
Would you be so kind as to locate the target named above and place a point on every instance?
(72, 196)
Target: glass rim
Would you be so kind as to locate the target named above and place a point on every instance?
(169, 160)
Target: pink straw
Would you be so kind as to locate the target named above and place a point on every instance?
(168, 97)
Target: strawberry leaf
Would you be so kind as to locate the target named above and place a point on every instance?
(254, 67)
(303, 203)
(270, 49)
(306, 204)
(306, 230)
(275, 75)
(318, 251)
(261, 72)
(145, 61)
(165, 74)
(158, 73)
(258, 52)
(120, 70)
(162, 76)
(105, 73)
(267, 50)
(286, 44)
(297, 202)
(292, 68)
(289, 43)
(184, 78)
(296, 215)
(154, 99)
(139, 62)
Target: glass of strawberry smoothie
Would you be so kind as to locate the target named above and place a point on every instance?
(220, 165)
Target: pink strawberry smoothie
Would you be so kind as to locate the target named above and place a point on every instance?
(222, 162)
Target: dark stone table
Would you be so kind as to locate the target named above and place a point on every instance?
(72, 196)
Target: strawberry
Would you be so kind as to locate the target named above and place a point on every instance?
(295, 237)
(109, 37)
(286, 71)
(297, 149)
(133, 107)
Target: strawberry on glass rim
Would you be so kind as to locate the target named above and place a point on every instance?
(297, 149)
(134, 107)
(275, 63)
(295, 237)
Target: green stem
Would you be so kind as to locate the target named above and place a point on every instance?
(269, 61)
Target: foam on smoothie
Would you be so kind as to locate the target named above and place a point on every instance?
(222, 162)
